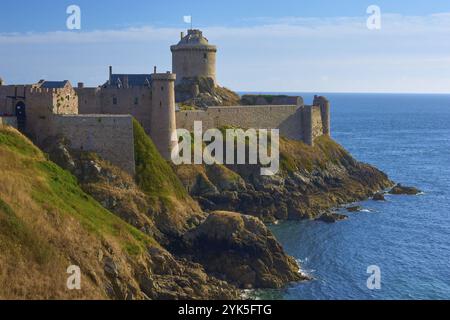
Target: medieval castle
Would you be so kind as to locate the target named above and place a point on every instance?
(100, 119)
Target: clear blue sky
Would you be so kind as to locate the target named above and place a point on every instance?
(285, 45)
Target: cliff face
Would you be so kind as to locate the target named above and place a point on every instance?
(157, 206)
(48, 223)
(311, 181)
(148, 238)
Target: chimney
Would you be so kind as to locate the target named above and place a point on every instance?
(182, 35)
(110, 73)
(80, 85)
(154, 69)
(125, 81)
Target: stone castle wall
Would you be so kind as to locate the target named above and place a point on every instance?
(136, 101)
(7, 105)
(293, 122)
(317, 124)
(40, 105)
(110, 136)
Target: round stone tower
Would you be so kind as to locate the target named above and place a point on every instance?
(193, 56)
(163, 121)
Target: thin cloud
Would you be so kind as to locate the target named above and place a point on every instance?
(302, 53)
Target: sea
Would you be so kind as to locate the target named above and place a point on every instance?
(404, 242)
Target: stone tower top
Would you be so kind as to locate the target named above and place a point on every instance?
(194, 57)
(194, 38)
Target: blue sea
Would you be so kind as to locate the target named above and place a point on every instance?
(407, 237)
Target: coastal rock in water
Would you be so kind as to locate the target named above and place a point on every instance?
(400, 190)
(379, 197)
(354, 209)
(332, 217)
(241, 250)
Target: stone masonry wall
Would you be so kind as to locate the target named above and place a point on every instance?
(317, 125)
(111, 137)
(136, 101)
(285, 118)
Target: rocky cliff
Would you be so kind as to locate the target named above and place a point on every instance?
(201, 93)
(311, 181)
(147, 237)
(125, 234)
(48, 223)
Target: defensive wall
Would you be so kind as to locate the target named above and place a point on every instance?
(110, 136)
(135, 101)
(303, 123)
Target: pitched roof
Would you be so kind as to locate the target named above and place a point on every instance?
(134, 80)
(53, 84)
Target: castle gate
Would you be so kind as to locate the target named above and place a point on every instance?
(21, 115)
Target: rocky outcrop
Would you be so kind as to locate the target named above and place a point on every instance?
(201, 93)
(403, 190)
(311, 181)
(354, 209)
(111, 187)
(332, 217)
(379, 196)
(241, 250)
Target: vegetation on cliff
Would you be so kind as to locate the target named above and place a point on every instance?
(173, 210)
(311, 181)
(47, 223)
(125, 234)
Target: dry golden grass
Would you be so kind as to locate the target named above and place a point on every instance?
(47, 224)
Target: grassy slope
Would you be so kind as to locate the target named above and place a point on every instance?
(48, 223)
(173, 208)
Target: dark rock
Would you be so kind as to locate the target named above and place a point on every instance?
(379, 197)
(332, 217)
(243, 250)
(400, 190)
(111, 268)
(354, 209)
(200, 92)
(326, 177)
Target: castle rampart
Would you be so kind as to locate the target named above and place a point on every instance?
(111, 137)
(294, 122)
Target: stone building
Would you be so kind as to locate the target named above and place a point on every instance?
(99, 119)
